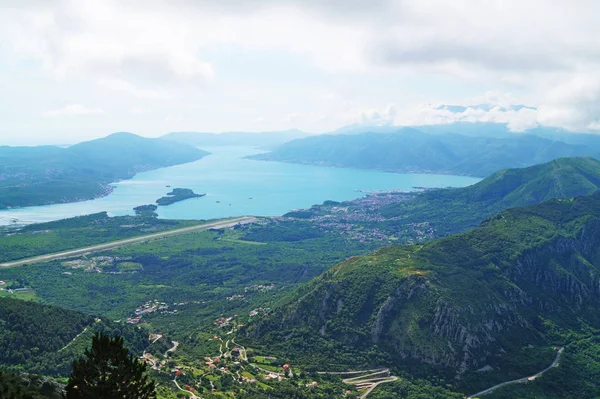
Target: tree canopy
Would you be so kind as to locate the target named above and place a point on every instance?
(108, 371)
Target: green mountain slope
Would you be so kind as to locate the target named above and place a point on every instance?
(28, 387)
(526, 278)
(451, 211)
(41, 339)
(45, 175)
(412, 151)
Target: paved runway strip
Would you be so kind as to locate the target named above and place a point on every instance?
(110, 245)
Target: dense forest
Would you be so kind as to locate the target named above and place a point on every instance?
(21, 322)
(575, 378)
(27, 386)
(41, 339)
(409, 306)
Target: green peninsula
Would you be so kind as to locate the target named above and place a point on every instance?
(178, 194)
(33, 176)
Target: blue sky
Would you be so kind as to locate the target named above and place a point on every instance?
(71, 70)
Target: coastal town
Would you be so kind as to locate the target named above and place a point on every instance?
(361, 219)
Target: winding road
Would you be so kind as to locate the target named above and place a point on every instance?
(520, 380)
(114, 244)
(184, 390)
(173, 349)
(243, 354)
(366, 380)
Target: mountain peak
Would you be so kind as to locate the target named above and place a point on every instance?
(122, 135)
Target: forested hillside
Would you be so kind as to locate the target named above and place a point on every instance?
(451, 211)
(28, 387)
(498, 297)
(47, 175)
(43, 339)
(412, 151)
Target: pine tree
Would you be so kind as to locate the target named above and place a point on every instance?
(108, 371)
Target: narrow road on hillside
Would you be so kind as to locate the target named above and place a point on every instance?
(243, 354)
(520, 380)
(365, 380)
(114, 244)
(77, 336)
(173, 349)
(185, 390)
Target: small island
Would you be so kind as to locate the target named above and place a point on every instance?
(178, 194)
(146, 210)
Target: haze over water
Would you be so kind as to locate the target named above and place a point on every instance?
(235, 186)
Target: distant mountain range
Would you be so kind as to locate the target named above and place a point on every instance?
(478, 129)
(46, 175)
(409, 150)
(50, 174)
(258, 139)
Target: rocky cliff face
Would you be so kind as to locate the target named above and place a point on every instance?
(566, 270)
(460, 302)
(442, 333)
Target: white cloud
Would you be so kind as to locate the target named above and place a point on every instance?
(174, 118)
(353, 58)
(507, 36)
(494, 97)
(294, 118)
(574, 104)
(122, 45)
(123, 86)
(374, 117)
(517, 119)
(136, 110)
(427, 114)
(72, 110)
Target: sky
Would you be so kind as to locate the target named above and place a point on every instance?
(72, 70)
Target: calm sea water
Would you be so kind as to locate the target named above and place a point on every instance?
(235, 186)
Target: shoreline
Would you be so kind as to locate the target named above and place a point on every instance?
(394, 171)
(63, 210)
(107, 188)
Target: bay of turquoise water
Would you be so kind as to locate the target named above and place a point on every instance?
(235, 186)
